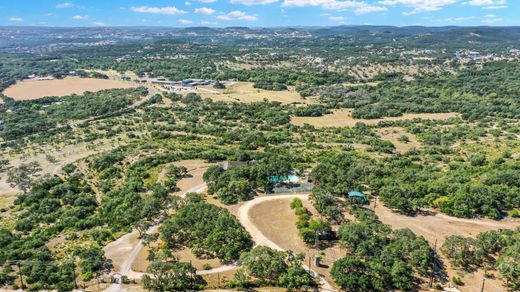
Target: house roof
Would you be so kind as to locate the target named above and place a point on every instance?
(356, 194)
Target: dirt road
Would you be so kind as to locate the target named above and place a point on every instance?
(126, 246)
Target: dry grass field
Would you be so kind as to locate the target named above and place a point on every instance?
(435, 228)
(394, 134)
(277, 221)
(245, 92)
(184, 255)
(33, 89)
(343, 118)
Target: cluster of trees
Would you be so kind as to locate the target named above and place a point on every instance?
(471, 186)
(314, 110)
(25, 117)
(327, 205)
(263, 266)
(167, 273)
(490, 91)
(209, 231)
(173, 175)
(274, 86)
(310, 229)
(66, 204)
(241, 183)
(490, 250)
(379, 258)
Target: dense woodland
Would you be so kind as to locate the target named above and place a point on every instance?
(466, 166)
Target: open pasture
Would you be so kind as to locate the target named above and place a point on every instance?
(245, 92)
(34, 89)
(343, 118)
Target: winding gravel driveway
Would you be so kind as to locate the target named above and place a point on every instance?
(243, 216)
(260, 239)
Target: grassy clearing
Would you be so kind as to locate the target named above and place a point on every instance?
(277, 221)
(245, 92)
(343, 118)
(396, 135)
(34, 89)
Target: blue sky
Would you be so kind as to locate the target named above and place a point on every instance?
(258, 13)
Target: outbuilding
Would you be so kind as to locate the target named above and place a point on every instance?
(359, 195)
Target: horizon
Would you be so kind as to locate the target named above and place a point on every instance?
(259, 13)
(261, 27)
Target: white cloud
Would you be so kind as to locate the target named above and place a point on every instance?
(207, 1)
(15, 19)
(491, 18)
(488, 4)
(99, 23)
(205, 10)
(185, 21)
(64, 5)
(359, 7)
(80, 17)
(169, 10)
(252, 2)
(419, 6)
(205, 22)
(237, 15)
(337, 18)
(454, 19)
(187, 3)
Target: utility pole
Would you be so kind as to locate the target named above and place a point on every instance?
(20, 273)
(218, 280)
(74, 274)
(375, 203)
(483, 282)
(433, 263)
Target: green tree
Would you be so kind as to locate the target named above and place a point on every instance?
(265, 263)
(169, 274)
(508, 264)
(351, 274)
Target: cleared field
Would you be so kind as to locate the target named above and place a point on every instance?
(438, 226)
(394, 134)
(435, 228)
(343, 118)
(277, 222)
(185, 255)
(33, 89)
(245, 92)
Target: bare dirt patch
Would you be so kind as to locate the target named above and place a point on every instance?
(343, 118)
(118, 251)
(196, 169)
(33, 89)
(245, 92)
(394, 134)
